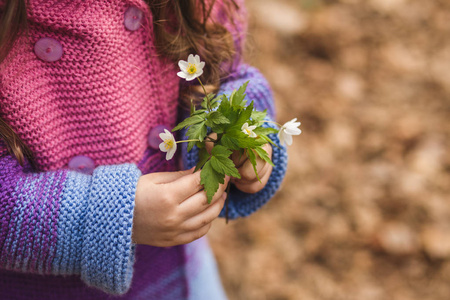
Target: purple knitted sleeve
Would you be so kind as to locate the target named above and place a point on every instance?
(68, 223)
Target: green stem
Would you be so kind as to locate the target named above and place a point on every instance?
(206, 95)
(184, 141)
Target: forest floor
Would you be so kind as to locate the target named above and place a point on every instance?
(364, 210)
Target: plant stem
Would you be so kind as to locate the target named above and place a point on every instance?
(183, 141)
(206, 95)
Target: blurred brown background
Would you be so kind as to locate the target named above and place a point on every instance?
(364, 211)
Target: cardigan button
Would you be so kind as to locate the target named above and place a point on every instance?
(82, 164)
(153, 137)
(132, 18)
(48, 49)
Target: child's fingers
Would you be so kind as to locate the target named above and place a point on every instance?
(208, 215)
(191, 236)
(251, 179)
(246, 170)
(197, 203)
(184, 187)
(254, 186)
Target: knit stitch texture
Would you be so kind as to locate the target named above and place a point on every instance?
(67, 235)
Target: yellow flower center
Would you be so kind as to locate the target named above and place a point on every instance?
(168, 144)
(192, 69)
(248, 131)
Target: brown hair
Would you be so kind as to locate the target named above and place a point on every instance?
(181, 27)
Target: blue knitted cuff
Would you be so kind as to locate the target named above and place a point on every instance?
(95, 226)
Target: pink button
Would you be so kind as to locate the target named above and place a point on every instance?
(153, 137)
(132, 18)
(82, 164)
(48, 49)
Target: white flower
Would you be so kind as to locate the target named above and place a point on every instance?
(168, 145)
(248, 130)
(288, 130)
(192, 68)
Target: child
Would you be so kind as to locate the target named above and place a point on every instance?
(89, 207)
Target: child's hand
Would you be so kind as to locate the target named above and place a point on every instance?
(172, 209)
(248, 183)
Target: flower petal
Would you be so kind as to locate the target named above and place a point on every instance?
(183, 65)
(288, 139)
(199, 73)
(293, 131)
(171, 152)
(190, 77)
(182, 74)
(293, 125)
(281, 137)
(197, 59)
(191, 59)
(162, 147)
(201, 65)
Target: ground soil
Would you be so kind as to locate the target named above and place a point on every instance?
(364, 210)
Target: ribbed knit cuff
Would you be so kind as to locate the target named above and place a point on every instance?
(95, 227)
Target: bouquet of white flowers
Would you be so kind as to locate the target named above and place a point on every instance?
(238, 127)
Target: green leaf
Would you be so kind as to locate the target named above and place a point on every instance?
(265, 130)
(235, 139)
(216, 117)
(190, 121)
(224, 104)
(197, 131)
(199, 112)
(209, 97)
(237, 97)
(210, 179)
(192, 107)
(215, 102)
(224, 165)
(203, 158)
(230, 142)
(252, 157)
(190, 146)
(245, 115)
(264, 155)
(258, 116)
(219, 150)
(266, 138)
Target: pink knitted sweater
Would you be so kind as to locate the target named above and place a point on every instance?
(101, 98)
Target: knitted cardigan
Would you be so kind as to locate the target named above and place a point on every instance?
(65, 234)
